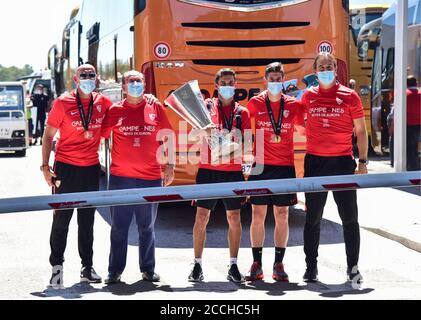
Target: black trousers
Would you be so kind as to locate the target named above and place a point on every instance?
(74, 179)
(413, 136)
(346, 201)
(40, 125)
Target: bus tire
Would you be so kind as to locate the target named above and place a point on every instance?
(21, 153)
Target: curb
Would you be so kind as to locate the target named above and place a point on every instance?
(413, 245)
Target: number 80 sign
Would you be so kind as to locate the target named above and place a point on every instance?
(162, 50)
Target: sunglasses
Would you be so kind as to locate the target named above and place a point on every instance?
(84, 76)
(135, 80)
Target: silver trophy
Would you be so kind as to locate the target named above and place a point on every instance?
(187, 101)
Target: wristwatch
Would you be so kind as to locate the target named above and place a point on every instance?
(363, 161)
(43, 167)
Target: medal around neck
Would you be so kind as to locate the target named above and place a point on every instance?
(86, 119)
(187, 101)
(89, 135)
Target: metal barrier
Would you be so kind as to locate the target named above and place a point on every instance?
(208, 191)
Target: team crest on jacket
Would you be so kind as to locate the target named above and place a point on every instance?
(152, 117)
(120, 122)
(339, 101)
(286, 113)
(99, 108)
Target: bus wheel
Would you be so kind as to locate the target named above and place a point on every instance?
(21, 153)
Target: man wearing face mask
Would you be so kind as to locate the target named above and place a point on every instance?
(229, 116)
(78, 117)
(333, 113)
(135, 124)
(276, 115)
(40, 101)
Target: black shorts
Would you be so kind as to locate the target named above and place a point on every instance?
(273, 173)
(205, 176)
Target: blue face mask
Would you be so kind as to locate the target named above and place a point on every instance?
(135, 89)
(227, 92)
(275, 88)
(326, 77)
(87, 86)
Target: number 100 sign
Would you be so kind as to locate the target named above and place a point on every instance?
(325, 47)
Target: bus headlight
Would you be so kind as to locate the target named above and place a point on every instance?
(18, 134)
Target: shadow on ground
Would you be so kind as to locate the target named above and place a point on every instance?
(277, 289)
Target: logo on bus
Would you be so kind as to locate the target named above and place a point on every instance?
(325, 47)
(162, 50)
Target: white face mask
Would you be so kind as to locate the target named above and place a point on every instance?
(87, 86)
(135, 89)
(326, 77)
(227, 92)
(275, 88)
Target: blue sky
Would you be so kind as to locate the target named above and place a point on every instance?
(29, 28)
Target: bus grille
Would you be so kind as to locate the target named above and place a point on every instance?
(244, 62)
(246, 25)
(246, 43)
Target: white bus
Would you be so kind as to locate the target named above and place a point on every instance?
(13, 123)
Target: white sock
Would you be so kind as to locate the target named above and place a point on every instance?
(198, 260)
(233, 261)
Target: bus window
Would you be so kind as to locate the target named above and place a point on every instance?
(75, 46)
(11, 97)
(377, 72)
(140, 5)
(93, 42)
(390, 61)
(106, 61)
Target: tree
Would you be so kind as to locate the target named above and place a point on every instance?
(13, 73)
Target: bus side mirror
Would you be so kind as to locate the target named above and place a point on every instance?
(363, 48)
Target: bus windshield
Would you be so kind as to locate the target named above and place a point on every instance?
(414, 12)
(241, 5)
(356, 27)
(11, 98)
(240, 2)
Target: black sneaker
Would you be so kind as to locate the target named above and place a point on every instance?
(88, 274)
(197, 273)
(56, 280)
(234, 275)
(113, 278)
(151, 277)
(354, 276)
(311, 275)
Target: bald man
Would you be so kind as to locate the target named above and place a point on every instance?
(78, 117)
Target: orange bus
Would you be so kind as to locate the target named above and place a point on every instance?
(175, 41)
